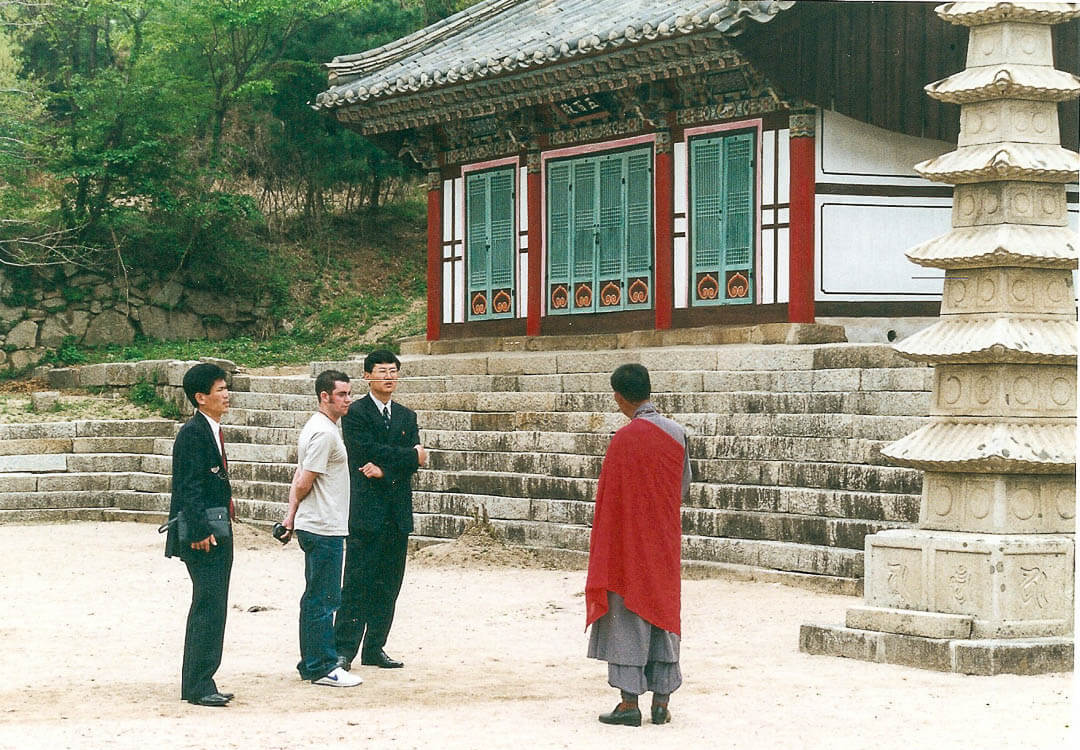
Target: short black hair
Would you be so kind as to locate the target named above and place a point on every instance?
(325, 380)
(631, 381)
(380, 357)
(201, 379)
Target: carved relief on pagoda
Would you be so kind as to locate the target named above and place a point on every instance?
(998, 503)
(1006, 390)
(1033, 587)
(895, 576)
(1013, 585)
(1024, 43)
(1011, 290)
(962, 583)
(1009, 202)
(1017, 120)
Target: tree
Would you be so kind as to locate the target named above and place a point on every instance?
(234, 45)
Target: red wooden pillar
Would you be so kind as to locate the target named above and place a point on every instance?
(663, 190)
(434, 255)
(801, 233)
(536, 233)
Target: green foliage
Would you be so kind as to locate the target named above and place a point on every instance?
(143, 393)
(166, 135)
(69, 353)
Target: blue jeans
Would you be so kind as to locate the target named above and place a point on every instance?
(323, 556)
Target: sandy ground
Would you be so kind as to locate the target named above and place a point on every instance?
(92, 630)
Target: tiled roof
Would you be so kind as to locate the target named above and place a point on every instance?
(496, 37)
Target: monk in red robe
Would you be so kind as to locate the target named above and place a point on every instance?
(632, 593)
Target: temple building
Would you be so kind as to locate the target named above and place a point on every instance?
(617, 165)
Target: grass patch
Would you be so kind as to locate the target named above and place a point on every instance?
(144, 394)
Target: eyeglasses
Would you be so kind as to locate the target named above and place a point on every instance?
(385, 372)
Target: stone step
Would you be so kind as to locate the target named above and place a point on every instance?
(58, 499)
(237, 452)
(838, 562)
(801, 558)
(762, 333)
(550, 464)
(663, 381)
(296, 384)
(259, 417)
(866, 426)
(702, 447)
(833, 503)
(873, 427)
(499, 483)
(901, 403)
(750, 449)
(34, 462)
(67, 515)
(809, 474)
(262, 491)
(87, 429)
(673, 358)
(788, 527)
(235, 434)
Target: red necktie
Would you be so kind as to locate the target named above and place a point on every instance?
(225, 466)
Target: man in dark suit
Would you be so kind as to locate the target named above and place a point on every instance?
(383, 444)
(200, 481)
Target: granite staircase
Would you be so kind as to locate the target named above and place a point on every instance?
(785, 440)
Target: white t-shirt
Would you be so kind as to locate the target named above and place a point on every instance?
(325, 509)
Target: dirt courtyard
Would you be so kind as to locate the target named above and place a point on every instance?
(92, 630)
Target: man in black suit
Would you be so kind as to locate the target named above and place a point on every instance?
(200, 481)
(383, 444)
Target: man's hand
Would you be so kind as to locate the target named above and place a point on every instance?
(205, 544)
(289, 522)
(371, 471)
(421, 454)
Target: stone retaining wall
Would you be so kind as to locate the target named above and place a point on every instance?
(92, 309)
(166, 375)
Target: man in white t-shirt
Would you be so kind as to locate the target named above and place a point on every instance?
(319, 516)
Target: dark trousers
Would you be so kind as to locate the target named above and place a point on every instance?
(374, 568)
(322, 595)
(205, 632)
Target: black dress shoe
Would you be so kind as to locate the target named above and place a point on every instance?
(660, 714)
(380, 660)
(623, 715)
(227, 696)
(214, 699)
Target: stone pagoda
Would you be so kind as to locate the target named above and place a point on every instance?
(984, 583)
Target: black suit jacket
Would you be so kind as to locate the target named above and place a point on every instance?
(373, 502)
(199, 482)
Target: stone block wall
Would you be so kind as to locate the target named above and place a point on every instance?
(166, 375)
(93, 309)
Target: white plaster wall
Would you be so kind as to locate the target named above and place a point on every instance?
(861, 241)
(849, 151)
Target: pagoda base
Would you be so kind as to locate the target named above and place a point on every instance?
(986, 656)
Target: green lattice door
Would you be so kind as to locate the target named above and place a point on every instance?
(489, 212)
(600, 242)
(722, 219)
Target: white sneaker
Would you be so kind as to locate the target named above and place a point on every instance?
(339, 678)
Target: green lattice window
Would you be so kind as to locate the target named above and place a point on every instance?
(600, 233)
(722, 219)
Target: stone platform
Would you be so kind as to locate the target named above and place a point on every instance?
(961, 655)
(785, 447)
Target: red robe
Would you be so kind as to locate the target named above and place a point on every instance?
(636, 538)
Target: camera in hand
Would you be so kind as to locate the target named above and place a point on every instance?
(281, 533)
